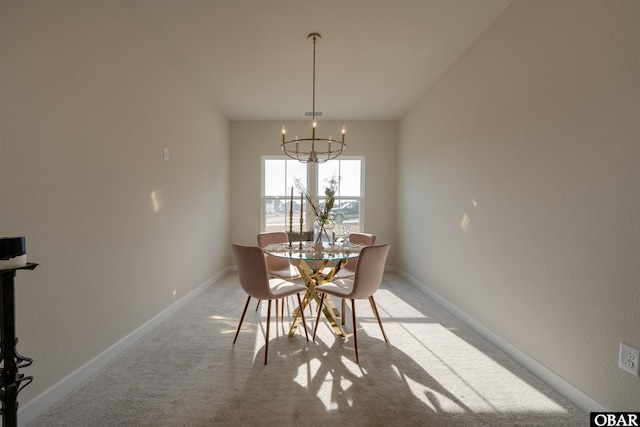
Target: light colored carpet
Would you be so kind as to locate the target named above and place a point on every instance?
(435, 371)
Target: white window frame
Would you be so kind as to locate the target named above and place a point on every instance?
(312, 187)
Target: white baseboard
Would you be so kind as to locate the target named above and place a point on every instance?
(562, 386)
(36, 406)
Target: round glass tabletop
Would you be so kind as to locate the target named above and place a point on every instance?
(310, 251)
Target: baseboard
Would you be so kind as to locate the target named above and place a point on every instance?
(562, 386)
(36, 406)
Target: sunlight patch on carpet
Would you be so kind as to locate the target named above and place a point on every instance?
(478, 382)
(443, 370)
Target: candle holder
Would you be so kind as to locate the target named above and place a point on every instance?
(301, 217)
(291, 220)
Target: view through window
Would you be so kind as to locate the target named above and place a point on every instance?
(279, 175)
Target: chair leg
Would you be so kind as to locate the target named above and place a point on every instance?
(266, 343)
(282, 313)
(355, 330)
(258, 305)
(343, 304)
(375, 311)
(242, 318)
(277, 313)
(318, 317)
(302, 315)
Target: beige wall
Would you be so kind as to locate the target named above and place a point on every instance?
(376, 141)
(519, 188)
(88, 101)
(517, 181)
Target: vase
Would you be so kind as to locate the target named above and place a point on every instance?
(322, 230)
(318, 231)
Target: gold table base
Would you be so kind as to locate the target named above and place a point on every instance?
(313, 279)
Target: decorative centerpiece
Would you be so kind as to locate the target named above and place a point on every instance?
(324, 217)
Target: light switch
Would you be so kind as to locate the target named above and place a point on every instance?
(165, 154)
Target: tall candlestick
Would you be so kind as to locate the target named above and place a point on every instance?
(301, 218)
(291, 219)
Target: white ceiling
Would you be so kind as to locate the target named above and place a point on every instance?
(374, 60)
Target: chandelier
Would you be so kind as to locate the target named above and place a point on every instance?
(313, 150)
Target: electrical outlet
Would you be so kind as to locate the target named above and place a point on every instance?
(629, 358)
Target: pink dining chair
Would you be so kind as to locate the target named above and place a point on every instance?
(277, 267)
(254, 279)
(349, 270)
(365, 283)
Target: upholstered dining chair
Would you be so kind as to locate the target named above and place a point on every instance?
(277, 267)
(349, 270)
(254, 279)
(365, 283)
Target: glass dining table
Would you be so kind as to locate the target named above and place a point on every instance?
(317, 264)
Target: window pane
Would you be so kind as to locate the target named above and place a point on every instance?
(274, 178)
(350, 178)
(346, 211)
(346, 214)
(277, 214)
(280, 174)
(298, 170)
(346, 171)
(326, 171)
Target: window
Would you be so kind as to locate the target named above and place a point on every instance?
(278, 180)
(347, 207)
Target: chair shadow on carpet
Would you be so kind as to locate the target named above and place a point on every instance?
(434, 370)
(319, 382)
